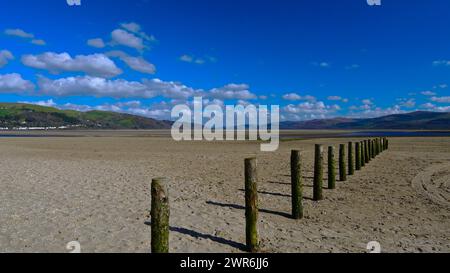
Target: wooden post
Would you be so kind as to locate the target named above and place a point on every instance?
(351, 165)
(318, 173)
(358, 156)
(387, 144)
(297, 185)
(251, 204)
(369, 149)
(342, 167)
(363, 155)
(331, 169)
(372, 148)
(366, 151)
(160, 213)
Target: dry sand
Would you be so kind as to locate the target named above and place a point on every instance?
(96, 190)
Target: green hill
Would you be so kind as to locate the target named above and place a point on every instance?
(26, 115)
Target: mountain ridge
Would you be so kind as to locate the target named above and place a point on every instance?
(21, 115)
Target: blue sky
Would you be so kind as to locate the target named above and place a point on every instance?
(316, 59)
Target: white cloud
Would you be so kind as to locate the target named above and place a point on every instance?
(441, 99)
(48, 103)
(428, 93)
(232, 91)
(93, 65)
(192, 59)
(375, 112)
(308, 110)
(322, 64)
(14, 82)
(124, 38)
(23, 34)
(295, 96)
(441, 63)
(39, 42)
(337, 98)
(135, 63)
(431, 107)
(409, 103)
(367, 102)
(93, 86)
(96, 42)
(19, 33)
(171, 90)
(136, 29)
(5, 57)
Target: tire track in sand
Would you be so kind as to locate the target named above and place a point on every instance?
(434, 182)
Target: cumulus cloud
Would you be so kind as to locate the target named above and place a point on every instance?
(376, 112)
(5, 57)
(39, 42)
(25, 35)
(93, 65)
(96, 42)
(441, 99)
(337, 98)
(431, 107)
(136, 29)
(93, 86)
(136, 63)
(12, 83)
(125, 38)
(408, 103)
(308, 110)
(173, 90)
(232, 91)
(295, 96)
(147, 88)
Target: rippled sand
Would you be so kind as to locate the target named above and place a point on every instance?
(96, 190)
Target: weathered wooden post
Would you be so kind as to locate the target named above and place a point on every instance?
(363, 155)
(342, 167)
(251, 204)
(366, 151)
(358, 155)
(351, 165)
(331, 168)
(297, 185)
(376, 147)
(387, 144)
(160, 213)
(318, 173)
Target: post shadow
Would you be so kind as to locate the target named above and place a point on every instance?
(234, 206)
(196, 235)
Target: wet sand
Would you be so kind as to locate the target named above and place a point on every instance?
(96, 190)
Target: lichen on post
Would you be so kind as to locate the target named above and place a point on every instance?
(160, 213)
(342, 166)
(251, 205)
(296, 185)
(351, 164)
(318, 173)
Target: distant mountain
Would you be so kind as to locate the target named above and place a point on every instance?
(420, 120)
(17, 115)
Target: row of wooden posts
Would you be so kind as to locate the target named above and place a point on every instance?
(362, 153)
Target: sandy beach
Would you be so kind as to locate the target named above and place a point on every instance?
(96, 190)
